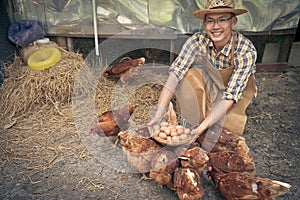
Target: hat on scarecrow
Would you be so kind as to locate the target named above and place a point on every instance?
(218, 6)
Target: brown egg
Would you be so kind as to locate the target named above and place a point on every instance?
(173, 130)
(164, 124)
(162, 135)
(175, 138)
(187, 131)
(172, 127)
(167, 131)
(156, 132)
(179, 127)
(180, 131)
(183, 137)
(156, 127)
(174, 133)
(163, 128)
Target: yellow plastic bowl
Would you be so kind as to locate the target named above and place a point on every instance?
(44, 58)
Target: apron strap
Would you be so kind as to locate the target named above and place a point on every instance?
(232, 48)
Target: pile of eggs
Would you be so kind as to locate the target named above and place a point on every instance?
(171, 133)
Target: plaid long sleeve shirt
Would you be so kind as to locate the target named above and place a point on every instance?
(200, 44)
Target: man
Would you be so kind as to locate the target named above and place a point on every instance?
(227, 52)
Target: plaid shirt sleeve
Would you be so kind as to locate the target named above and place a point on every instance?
(186, 57)
(244, 61)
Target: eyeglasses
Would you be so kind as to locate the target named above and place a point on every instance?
(221, 21)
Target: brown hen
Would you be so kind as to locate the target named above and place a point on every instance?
(239, 160)
(125, 69)
(194, 157)
(219, 139)
(235, 185)
(163, 165)
(188, 184)
(110, 123)
(139, 148)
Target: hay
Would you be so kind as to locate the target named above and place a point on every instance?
(145, 97)
(25, 90)
(37, 128)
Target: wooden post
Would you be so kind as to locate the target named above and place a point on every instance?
(61, 41)
(285, 48)
(70, 44)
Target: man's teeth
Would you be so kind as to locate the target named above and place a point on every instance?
(217, 34)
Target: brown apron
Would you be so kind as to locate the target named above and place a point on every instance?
(201, 90)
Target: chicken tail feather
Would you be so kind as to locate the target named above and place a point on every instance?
(279, 188)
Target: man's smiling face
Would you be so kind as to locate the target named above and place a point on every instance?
(219, 27)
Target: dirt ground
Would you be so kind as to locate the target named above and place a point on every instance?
(71, 171)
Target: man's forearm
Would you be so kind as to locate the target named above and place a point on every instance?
(166, 95)
(218, 112)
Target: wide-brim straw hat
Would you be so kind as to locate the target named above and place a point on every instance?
(219, 6)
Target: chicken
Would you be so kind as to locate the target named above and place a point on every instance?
(194, 157)
(163, 165)
(188, 184)
(139, 149)
(219, 139)
(237, 185)
(171, 115)
(124, 110)
(125, 69)
(239, 160)
(110, 123)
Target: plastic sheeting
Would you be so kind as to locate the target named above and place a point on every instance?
(114, 16)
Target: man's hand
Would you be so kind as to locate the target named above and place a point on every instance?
(195, 131)
(218, 112)
(165, 98)
(198, 130)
